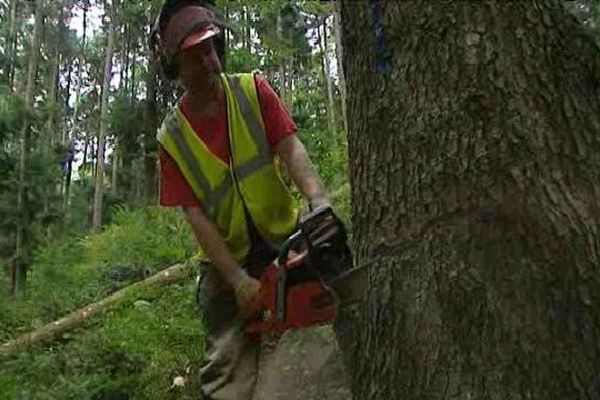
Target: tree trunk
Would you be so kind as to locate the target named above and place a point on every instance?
(150, 144)
(473, 145)
(331, 125)
(125, 61)
(227, 33)
(72, 133)
(52, 100)
(54, 134)
(133, 87)
(99, 174)
(55, 329)
(68, 176)
(282, 85)
(339, 49)
(21, 248)
(247, 37)
(87, 145)
(11, 43)
(66, 138)
(67, 91)
(284, 92)
(115, 167)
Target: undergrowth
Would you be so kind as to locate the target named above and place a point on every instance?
(131, 352)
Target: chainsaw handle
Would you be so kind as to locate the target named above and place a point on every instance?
(285, 248)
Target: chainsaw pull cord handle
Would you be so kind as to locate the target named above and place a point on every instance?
(285, 248)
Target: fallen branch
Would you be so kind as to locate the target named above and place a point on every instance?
(54, 329)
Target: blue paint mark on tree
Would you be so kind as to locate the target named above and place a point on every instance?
(382, 58)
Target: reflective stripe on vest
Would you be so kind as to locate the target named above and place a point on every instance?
(212, 197)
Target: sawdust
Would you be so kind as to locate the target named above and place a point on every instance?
(305, 365)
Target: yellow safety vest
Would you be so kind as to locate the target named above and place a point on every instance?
(250, 178)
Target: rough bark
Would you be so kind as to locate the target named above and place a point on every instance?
(55, 329)
(99, 173)
(21, 251)
(475, 171)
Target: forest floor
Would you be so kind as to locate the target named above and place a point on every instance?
(305, 365)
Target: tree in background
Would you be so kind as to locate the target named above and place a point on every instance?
(475, 170)
(102, 132)
(21, 258)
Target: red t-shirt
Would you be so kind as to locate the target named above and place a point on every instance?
(174, 189)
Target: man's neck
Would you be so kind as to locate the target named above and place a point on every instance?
(205, 104)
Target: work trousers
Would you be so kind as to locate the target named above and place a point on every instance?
(229, 370)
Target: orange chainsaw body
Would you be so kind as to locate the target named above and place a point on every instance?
(292, 298)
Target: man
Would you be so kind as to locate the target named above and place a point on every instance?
(218, 154)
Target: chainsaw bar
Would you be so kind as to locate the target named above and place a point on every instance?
(350, 286)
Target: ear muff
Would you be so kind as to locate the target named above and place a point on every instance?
(166, 65)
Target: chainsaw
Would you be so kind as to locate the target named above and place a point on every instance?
(310, 277)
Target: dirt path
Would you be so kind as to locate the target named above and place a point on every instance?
(306, 365)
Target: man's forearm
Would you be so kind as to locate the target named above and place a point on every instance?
(213, 244)
(301, 170)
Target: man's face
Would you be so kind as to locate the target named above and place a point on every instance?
(199, 67)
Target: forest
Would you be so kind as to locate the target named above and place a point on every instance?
(459, 142)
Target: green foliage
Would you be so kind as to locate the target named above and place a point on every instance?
(241, 60)
(61, 281)
(147, 237)
(133, 354)
(328, 151)
(12, 114)
(132, 351)
(72, 272)
(124, 119)
(41, 177)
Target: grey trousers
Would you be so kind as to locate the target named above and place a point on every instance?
(229, 370)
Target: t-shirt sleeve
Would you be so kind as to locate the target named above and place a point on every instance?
(278, 121)
(174, 189)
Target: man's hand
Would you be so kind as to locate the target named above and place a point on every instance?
(247, 289)
(247, 294)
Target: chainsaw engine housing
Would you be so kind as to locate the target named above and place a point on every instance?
(294, 287)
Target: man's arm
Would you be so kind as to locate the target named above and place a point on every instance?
(213, 244)
(247, 289)
(295, 157)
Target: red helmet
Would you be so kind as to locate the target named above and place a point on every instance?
(186, 27)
